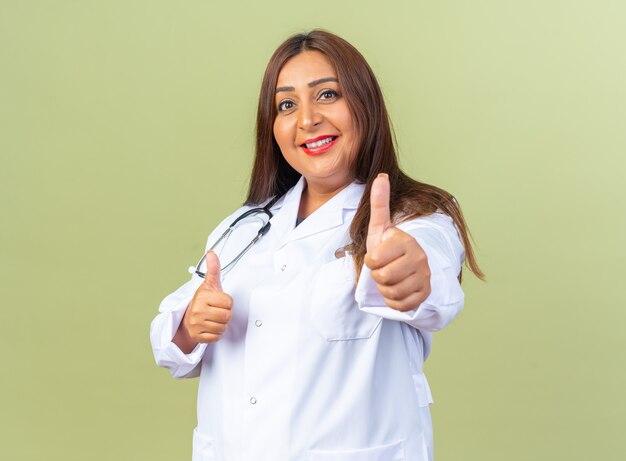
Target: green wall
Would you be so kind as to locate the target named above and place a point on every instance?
(126, 132)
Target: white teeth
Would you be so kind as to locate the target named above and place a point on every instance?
(320, 143)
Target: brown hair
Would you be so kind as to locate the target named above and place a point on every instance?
(272, 175)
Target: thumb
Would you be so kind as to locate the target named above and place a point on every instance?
(380, 216)
(213, 279)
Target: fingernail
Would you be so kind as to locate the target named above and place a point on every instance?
(382, 175)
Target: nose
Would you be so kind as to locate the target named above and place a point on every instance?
(309, 117)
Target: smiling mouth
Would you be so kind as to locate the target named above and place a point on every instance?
(319, 143)
(319, 146)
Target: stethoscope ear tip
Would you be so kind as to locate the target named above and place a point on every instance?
(191, 270)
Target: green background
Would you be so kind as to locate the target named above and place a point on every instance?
(126, 132)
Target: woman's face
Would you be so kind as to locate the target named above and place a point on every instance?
(314, 127)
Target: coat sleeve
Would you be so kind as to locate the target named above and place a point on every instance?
(439, 239)
(164, 327)
(166, 323)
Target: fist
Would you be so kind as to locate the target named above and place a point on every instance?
(209, 312)
(398, 263)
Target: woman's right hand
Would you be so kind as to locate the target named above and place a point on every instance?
(208, 313)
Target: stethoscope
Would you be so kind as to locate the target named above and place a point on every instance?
(252, 212)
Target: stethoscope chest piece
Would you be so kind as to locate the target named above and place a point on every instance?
(343, 251)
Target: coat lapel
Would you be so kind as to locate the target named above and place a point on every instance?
(329, 215)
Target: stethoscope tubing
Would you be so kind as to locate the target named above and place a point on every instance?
(264, 230)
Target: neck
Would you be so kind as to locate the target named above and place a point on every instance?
(315, 195)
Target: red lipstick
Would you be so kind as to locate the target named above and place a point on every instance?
(324, 144)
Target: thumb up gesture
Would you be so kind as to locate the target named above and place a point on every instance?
(208, 313)
(398, 264)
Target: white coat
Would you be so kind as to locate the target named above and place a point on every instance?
(310, 367)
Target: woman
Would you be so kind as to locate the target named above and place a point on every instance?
(310, 345)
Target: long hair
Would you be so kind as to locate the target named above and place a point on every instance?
(272, 175)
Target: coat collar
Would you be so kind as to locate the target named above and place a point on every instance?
(329, 215)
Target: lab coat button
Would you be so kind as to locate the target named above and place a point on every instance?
(283, 267)
(258, 323)
(252, 400)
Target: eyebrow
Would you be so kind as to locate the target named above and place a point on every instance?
(310, 84)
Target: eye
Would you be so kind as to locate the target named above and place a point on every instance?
(328, 95)
(285, 105)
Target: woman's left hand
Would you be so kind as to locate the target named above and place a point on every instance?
(398, 264)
